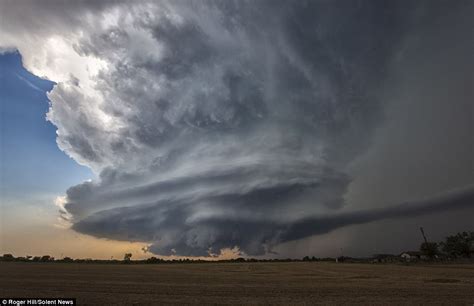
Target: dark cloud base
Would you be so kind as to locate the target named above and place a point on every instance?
(253, 237)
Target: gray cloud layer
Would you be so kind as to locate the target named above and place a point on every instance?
(217, 124)
(254, 236)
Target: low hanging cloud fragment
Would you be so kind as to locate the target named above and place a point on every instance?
(215, 124)
(454, 200)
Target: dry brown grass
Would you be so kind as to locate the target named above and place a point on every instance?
(241, 283)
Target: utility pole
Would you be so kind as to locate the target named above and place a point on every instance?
(423, 233)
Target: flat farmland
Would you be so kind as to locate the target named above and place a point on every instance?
(289, 283)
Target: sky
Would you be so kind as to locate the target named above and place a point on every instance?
(209, 128)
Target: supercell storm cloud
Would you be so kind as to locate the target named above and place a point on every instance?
(216, 124)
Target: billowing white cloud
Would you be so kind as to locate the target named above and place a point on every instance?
(210, 125)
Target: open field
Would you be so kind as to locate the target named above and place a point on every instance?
(241, 283)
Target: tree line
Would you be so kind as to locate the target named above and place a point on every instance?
(460, 245)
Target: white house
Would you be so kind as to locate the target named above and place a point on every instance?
(412, 255)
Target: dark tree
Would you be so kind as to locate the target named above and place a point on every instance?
(46, 258)
(127, 257)
(429, 249)
(459, 245)
(8, 257)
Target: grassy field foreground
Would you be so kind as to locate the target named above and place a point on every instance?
(241, 283)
